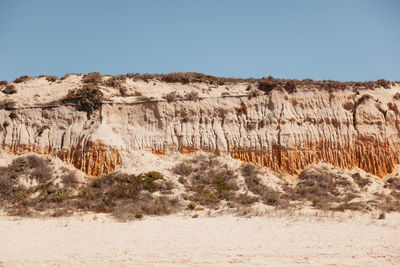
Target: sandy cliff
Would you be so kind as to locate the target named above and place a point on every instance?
(280, 130)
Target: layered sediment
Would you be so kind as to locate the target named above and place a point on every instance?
(279, 130)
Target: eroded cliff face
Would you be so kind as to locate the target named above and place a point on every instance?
(60, 132)
(281, 131)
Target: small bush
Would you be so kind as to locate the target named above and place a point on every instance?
(255, 185)
(382, 216)
(7, 104)
(69, 179)
(88, 98)
(116, 81)
(23, 78)
(93, 77)
(383, 83)
(138, 214)
(329, 188)
(10, 89)
(267, 85)
(171, 97)
(192, 96)
(52, 78)
(361, 182)
(182, 169)
(123, 90)
(182, 180)
(290, 87)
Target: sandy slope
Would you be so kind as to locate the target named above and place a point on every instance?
(94, 240)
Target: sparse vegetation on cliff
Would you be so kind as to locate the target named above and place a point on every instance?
(23, 78)
(88, 98)
(115, 81)
(10, 89)
(52, 78)
(171, 97)
(93, 77)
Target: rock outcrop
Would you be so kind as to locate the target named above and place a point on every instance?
(281, 131)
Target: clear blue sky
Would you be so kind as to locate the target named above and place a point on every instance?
(341, 39)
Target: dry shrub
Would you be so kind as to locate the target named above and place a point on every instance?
(183, 168)
(360, 181)
(3, 83)
(10, 89)
(113, 192)
(7, 104)
(208, 180)
(256, 186)
(93, 77)
(128, 210)
(290, 87)
(123, 91)
(18, 199)
(52, 78)
(171, 97)
(383, 83)
(88, 98)
(109, 193)
(192, 96)
(69, 179)
(324, 188)
(267, 85)
(116, 81)
(23, 78)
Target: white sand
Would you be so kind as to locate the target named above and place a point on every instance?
(207, 241)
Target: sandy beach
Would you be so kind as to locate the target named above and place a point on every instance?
(97, 240)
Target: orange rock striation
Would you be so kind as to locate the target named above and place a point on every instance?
(94, 158)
